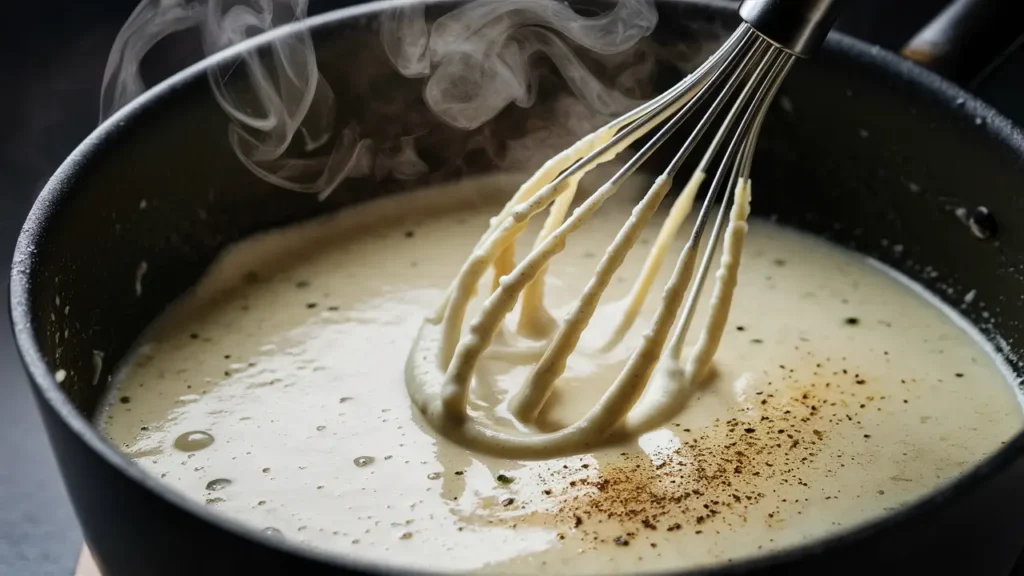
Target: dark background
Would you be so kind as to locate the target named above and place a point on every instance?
(52, 57)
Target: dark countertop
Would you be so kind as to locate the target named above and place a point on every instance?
(52, 68)
(51, 73)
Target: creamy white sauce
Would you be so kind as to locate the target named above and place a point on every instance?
(276, 393)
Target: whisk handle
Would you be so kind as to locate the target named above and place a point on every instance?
(797, 26)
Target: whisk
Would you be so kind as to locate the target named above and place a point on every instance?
(655, 381)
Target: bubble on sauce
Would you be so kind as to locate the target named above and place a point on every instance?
(434, 476)
(363, 461)
(218, 484)
(982, 223)
(272, 532)
(193, 441)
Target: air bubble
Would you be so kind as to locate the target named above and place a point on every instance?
(434, 476)
(193, 441)
(363, 461)
(272, 532)
(983, 224)
(218, 484)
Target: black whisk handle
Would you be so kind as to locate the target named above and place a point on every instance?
(797, 26)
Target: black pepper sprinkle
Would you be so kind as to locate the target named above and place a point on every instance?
(459, 472)
(757, 341)
(508, 502)
(959, 374)
(749, 430)
(194, 336)
(852, 321)
(409, 233)
(125, 399)
(311, 305)
(503, 479)
(302, 284)
(621, 541)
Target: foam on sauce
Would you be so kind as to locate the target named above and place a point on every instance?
(275, 393)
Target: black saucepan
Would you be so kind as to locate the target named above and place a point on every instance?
(863, 148)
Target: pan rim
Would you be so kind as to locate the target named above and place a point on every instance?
(60, 186)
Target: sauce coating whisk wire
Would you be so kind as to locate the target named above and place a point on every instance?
(742, 77)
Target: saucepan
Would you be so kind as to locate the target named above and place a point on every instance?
(862, 147)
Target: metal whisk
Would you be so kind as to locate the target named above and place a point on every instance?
(742, 77)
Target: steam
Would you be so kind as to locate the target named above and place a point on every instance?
(478, 57)
(281, 97)
(476, 60)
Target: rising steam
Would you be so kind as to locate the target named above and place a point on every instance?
(478, 56)
(477, 59)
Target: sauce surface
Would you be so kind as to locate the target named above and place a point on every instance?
(275, 393)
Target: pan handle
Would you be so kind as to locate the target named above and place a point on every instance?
(966, 37)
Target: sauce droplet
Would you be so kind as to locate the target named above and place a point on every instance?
(193, 441)
(363, 461)
(273, 532)
(218, 484)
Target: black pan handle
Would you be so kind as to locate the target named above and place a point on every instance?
(966, 37)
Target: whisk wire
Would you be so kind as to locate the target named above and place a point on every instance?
(534, 319)
(750, 104)
(526, 404)
(684, 201)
